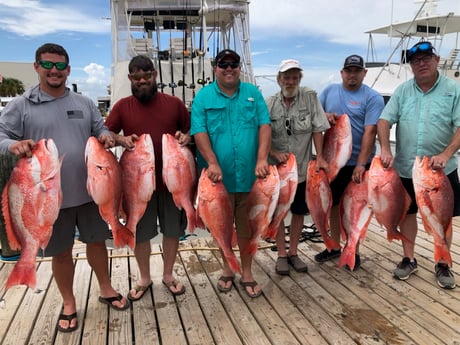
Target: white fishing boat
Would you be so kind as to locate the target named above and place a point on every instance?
(182, 37)
(442, 30)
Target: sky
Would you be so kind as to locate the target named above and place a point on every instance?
(318, 33)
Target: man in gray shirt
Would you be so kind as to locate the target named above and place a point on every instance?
(51, 110)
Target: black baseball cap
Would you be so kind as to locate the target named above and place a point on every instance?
(225, 53)
(354, 61)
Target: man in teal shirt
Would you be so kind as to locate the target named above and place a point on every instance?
(426, 110)
(231, 128)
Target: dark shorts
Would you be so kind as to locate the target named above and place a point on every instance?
(341, 182)
(453, 178)
(84, 218)
(161, 210)
(299, 205)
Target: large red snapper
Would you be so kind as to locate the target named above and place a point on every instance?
(30, 203)
(354, 216)
(138, 179)
(388, 198)
(180, 176)
(435, 200)
(104, 186)
(288, 185)
(214, 209)
(337, 145)
(319, 201)
(260, 206)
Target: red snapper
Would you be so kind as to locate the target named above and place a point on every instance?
(30, 203)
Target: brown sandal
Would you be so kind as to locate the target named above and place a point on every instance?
(174, 284)
(225, 280)
(137, 289)
(251, 285)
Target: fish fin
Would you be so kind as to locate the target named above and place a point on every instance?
(12, 239)
(22, 274)
(348, 256)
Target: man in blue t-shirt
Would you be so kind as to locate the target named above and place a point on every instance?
(363, 106)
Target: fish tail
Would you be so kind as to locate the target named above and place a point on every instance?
(191, 219)
(348, 257)
(271, 232)
(123, 236)
(234, 238)
(441, 252)
(330, 243)
(396, 235)
(233, 262)
(251, 248)
(22, 274)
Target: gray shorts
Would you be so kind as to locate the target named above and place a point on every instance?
(161, 207)
(84, 218)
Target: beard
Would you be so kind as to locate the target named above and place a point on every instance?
(144, 95)
(291, 92)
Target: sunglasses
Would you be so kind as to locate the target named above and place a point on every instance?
(424, 47)
(225, 65)
(144, 76)
(425, 59)
(287, 125)
(60, 66)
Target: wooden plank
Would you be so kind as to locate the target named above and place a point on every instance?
(144, 320)
(305, 319)
(25, 318)
(10, 300)
(243, 320)
(95, 326)
(421, 293)
(120, 329)
(359, 312)
(215, 321)
(193, 320)
(170, 326)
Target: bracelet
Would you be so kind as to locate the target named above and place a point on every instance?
(361, 164)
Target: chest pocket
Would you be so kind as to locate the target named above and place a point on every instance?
(301, 122)
(443, 114)
(277, 123)
(247, 115)
(215, 119)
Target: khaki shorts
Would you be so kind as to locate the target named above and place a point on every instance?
(84, 218)
(240, 214)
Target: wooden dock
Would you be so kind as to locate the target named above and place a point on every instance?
(328, 305)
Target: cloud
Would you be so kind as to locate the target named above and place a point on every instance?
(33, 18)
(93, 82)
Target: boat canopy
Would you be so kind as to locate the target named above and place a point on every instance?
(182, 37)
(422, 27)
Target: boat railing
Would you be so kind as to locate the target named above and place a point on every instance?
(452, 61)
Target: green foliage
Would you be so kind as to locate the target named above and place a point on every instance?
(11, 87)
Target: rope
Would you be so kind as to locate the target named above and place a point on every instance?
(116, 256)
